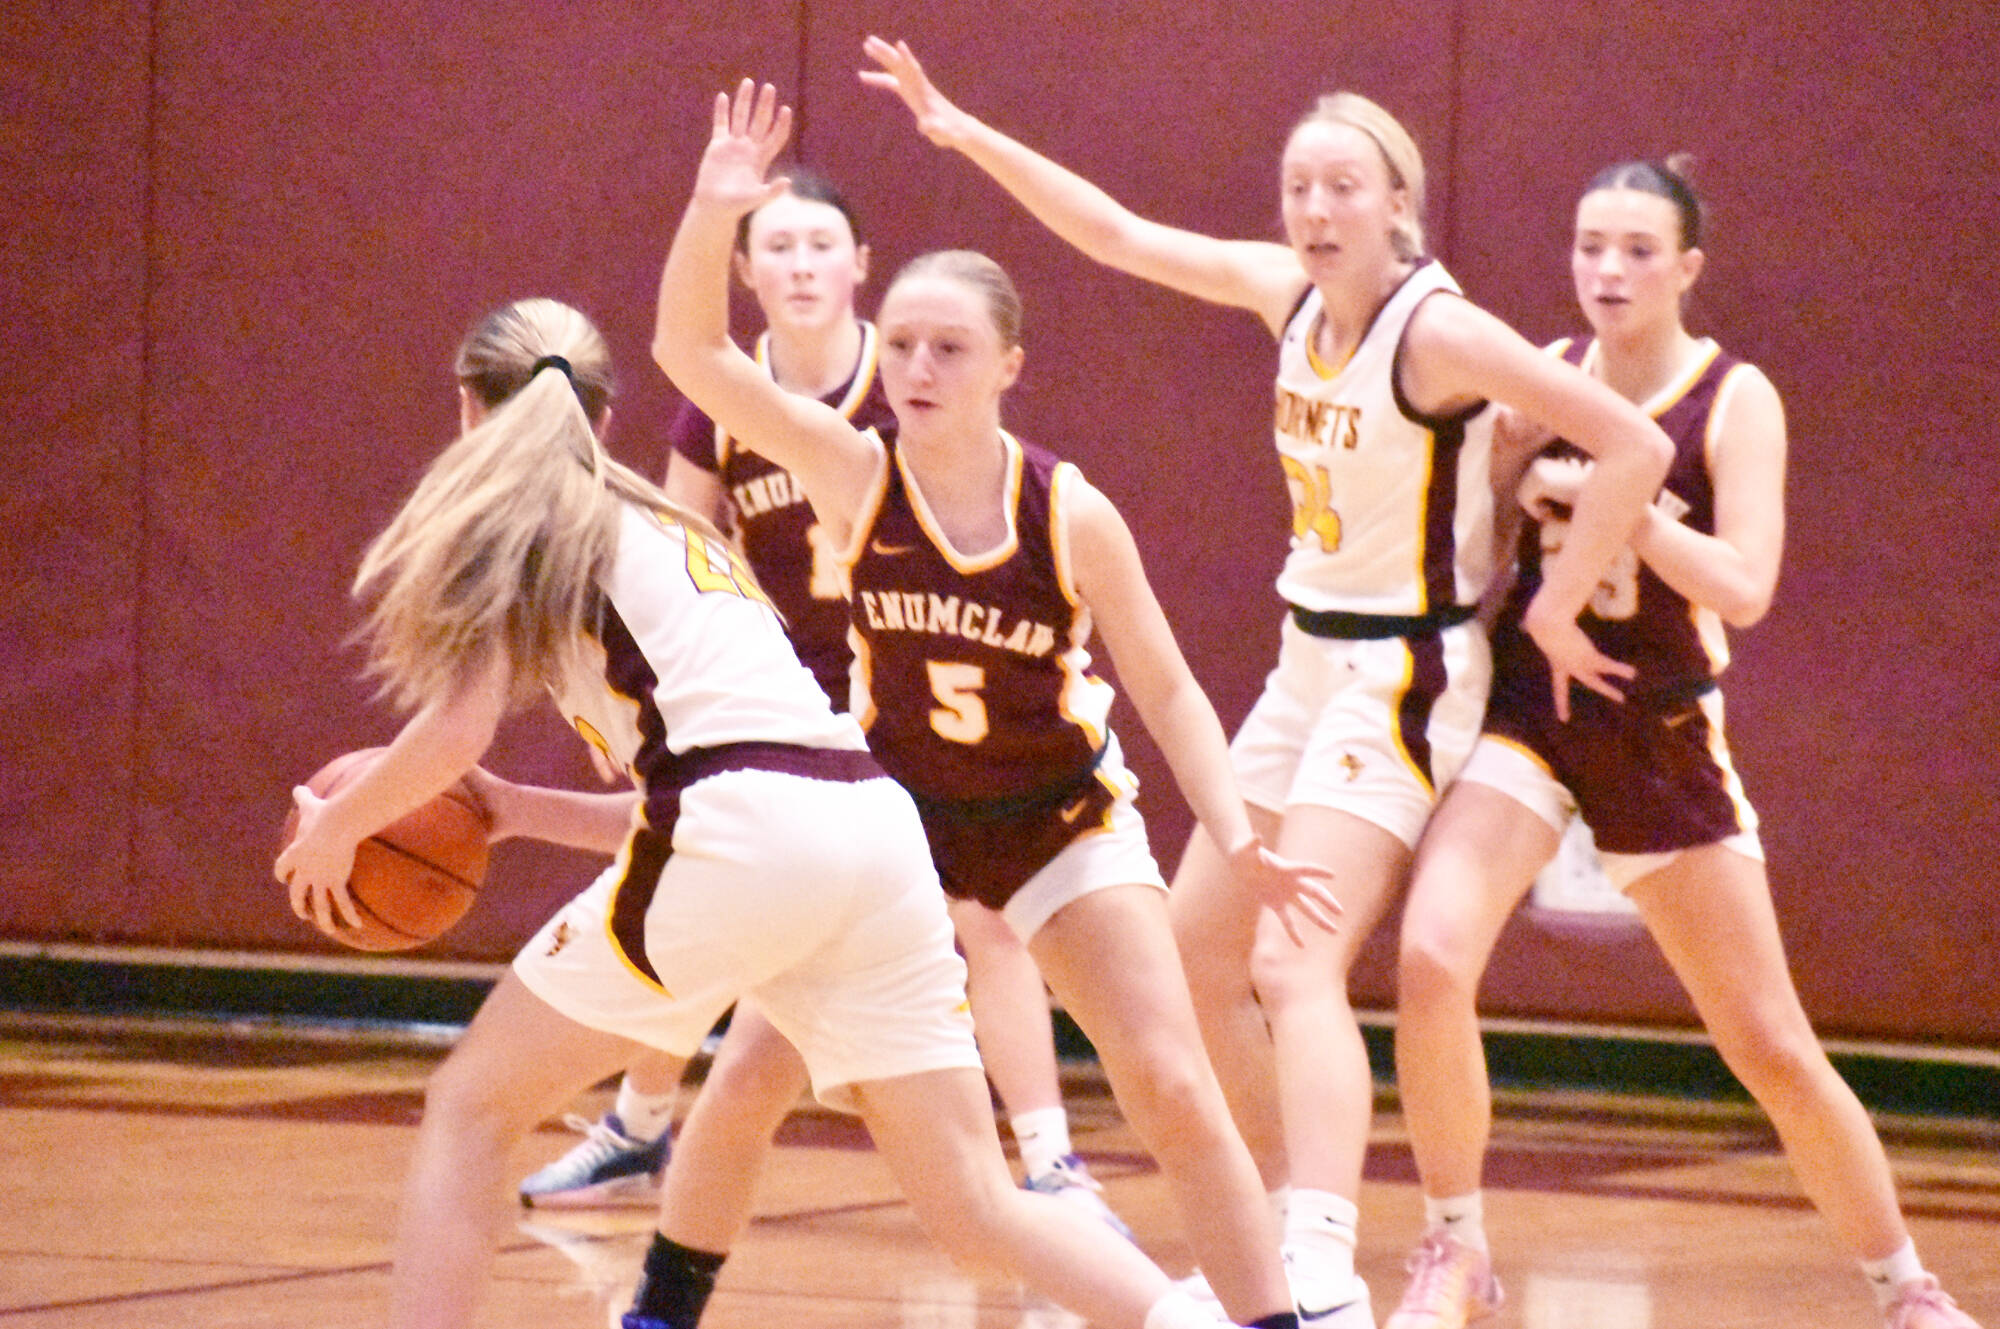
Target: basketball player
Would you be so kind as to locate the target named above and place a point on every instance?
(978, 568)
(1650, 776)
(763, 856)
(1384, 373)
(802, 257)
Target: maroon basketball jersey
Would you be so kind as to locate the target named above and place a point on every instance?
(1677, 646)
(776, 525)
(972, 673)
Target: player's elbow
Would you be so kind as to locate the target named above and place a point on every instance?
(1745, 610)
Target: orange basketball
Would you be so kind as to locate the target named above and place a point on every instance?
(415, 877)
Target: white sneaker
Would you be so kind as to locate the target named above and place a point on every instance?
(608, 1167)
(1348, 1311)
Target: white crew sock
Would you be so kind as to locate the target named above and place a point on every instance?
(645, 1116)
(1892, 1271)
(1319, 1247)
(1042, 1137)
(1460, 1217)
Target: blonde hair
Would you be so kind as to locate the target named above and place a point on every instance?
(1399, 154)
(971, 268)
(498, 552)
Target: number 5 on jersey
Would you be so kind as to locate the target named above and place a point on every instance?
(960, 714)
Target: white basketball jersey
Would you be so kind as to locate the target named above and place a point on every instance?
(1392, 513)
(693, 656)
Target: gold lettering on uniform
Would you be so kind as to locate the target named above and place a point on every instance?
(1017, 640)
(892, 611)
(914, 605)
(992, 635)
(969, 620)
(1043, 641)
(1319, 423)
(943, 613)
(868, 611)
(1350, 427)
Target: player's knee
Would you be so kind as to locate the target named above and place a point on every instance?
(1431, 967)
(1171, 1091)
(973, 1229)
(1284, 975)
(1778, 1060)
(471, 1106)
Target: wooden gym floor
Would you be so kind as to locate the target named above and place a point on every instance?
(171, 1175)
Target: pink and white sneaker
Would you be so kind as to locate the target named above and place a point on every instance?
(1451, 1285)
(1922, 1304)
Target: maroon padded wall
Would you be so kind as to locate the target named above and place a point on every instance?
(72, 515)
(252, 240)
(1847, 163)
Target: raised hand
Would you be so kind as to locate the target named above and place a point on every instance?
(1288, 889)
(1572, 657)
(750, 129)
(937, 119)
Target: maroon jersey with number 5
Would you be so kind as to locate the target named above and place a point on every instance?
(971, 677)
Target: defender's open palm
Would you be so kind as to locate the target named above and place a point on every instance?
(937, 119)
(1287, 888)
(1574, 658)
(750, 128)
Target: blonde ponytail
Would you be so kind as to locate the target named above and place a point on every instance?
(497, 554)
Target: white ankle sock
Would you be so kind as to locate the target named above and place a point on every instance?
(644, 1116)
(1042, 1137)
(1892, 1271)
(1460, 1217)
(1319, 1247)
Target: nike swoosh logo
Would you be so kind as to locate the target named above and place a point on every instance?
(1306, 1316)
(888, 551)
(1075, 810)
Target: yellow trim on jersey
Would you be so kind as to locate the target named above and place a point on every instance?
(1490, 737)
(1678, 387)
(1324, 371)
(864, 371)
(1059, 485)
(1016, 464)
(870, 510)
(1718, 752)
(858, 383)
(862, 673)
(622, 865)
(1708, 626)
(1396, 711)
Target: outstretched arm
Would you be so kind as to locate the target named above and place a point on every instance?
(1155, 675)
(1255, 275)
(833, 462)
